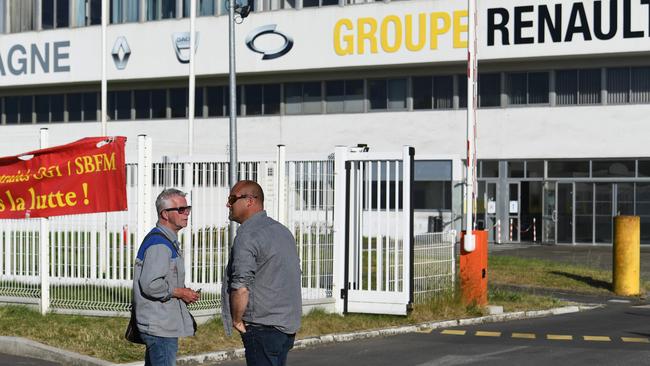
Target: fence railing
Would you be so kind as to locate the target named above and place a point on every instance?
(433, 264)
(90, 257)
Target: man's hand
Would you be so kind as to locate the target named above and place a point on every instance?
(239, 326)
(188, 295)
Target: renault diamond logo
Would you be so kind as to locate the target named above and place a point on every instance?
(181, 43)
(269, 51)
(121, 53)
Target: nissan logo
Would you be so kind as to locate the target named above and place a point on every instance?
(272, 53)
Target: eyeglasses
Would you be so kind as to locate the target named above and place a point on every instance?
(233, 198)
(183, 210)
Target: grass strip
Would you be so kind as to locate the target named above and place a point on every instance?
(543, 274)
(103, 337)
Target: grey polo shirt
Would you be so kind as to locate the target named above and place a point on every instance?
(264, 259)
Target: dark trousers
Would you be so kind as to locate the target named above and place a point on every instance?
(266, 346)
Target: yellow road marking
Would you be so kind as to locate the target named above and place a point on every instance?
(453, 332)
(635, 340)
(559, 337)
(425, 330)
(523, 335)
(480, 333)
(597, 338)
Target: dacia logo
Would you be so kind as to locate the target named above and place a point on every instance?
(181, 42)
(269, 54)
(121, 53)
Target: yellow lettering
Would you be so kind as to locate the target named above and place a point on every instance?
(366, 34)
(437, 28)
(397, 37)
(347, 40)
(2, 205)
(422, 32)
(71, 198)
(109, 163)
(460, 28)
(88, 164)
(79, 164)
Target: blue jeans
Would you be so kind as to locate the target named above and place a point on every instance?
(161, 351)
(266, 346)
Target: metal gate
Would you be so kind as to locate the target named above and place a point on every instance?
(378, 233)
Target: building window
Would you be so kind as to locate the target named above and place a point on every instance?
(55, 14)
(517, 88)
(26, 108)
(640, 87)
(12, 108)
(215, 101)
(198, 102)
(119, 104)
(344, 96)
(23, 15)
(443, 92)
(568, 169)
(42, 104)
(124, 11)
(3, 9)
(612, 168)
(387, 94)
(317, 3)
(432, 185)
(302, 98)
(159, 103)
(90, 106)
(203, 8)
(566, 87)
(527, 88)
(489, 169)
(262, 99)
(422, 92)
(161, 9)
(462, 90)
(178, 102)
(489, 86)
(589, 86)
(618, 85)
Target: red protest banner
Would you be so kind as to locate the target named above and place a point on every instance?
(84, 176)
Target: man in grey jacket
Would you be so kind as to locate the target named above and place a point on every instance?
(160, 297)
(261, 295)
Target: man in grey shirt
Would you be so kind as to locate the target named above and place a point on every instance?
(261, 290)
(160, 297)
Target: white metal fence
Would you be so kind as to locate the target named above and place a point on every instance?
(433, 264)
(90, 257)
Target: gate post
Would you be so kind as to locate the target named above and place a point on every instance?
(44, 247)
(281, 186)
(143, 215)
(189, 230)
(340, 203)
(408, 156)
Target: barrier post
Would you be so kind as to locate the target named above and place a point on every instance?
(473, 270)
(627, 252)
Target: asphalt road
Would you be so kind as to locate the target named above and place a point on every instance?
(618, 334)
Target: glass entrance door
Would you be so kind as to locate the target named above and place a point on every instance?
(564, 216)
(549, 213)
(514, 203)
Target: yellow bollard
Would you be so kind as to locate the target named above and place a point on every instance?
(627, 252)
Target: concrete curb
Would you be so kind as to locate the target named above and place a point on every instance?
(17, 346)
(24, 347)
